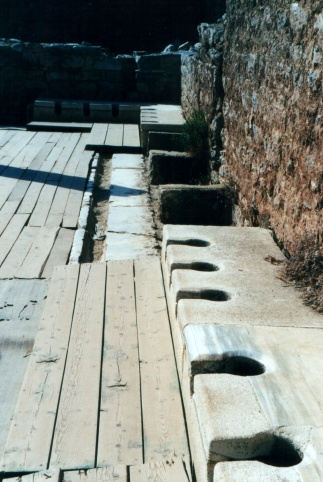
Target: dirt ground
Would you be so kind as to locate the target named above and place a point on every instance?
(101, 196)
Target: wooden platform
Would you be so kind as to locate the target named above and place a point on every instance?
(101, 387)
(21, 304)
(42, 179)
(59, 126)
(115, 138)
(174, 471)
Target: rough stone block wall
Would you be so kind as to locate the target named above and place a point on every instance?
(273, 114)
(158, 78)
(57, 71)
(120, 25)
(202, 82)
(81, 72)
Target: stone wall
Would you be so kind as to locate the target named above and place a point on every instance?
(269, 86)
(273, 115)
(202, 83)
(80, 72)
(120, 25)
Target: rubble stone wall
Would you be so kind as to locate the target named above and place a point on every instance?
(122, 26)
(273, 114)
(202, 87)
(81, 72)
(267, 93)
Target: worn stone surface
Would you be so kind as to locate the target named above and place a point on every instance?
(228, 401)
(253, 472)
(273, 115)
(130, 232)
(160, 117)
(249, 272)
(228, 303)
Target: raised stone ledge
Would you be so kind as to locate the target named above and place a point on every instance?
(248, 363)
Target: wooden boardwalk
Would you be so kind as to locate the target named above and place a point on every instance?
(114, 137)
(101, 387)
(42, 180)
(160, 471)
(43, 176)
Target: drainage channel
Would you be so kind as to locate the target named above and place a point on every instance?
(98, 214)
(116, 219)
(122, 189)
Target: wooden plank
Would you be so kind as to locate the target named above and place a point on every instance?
(12, 173)
(163, 420)
(75, 197)
(131, 136)
(68, 163)
(20, 189)
(73, 205)
(34, 190)
(6, 136)
(18, 252)
(40, 138)
(55, 137)
(114, 135)
(44, 202)
(53, 475)
(6, 153)
(116, 473)
(30, 436)
(16, 143)
(120, 427)
(41, 195)
(98, 134)
(4, 220)
(59, 126)
(16, 170)
(35, 260)
(60, 251)
(172, 470)
(49, 154)
(21, 305)
(10, 234)
(20, 301)
(66, 150)
(74, 444)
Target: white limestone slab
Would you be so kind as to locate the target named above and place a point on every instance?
(128, 188)
(129, 246)
(291, 358)
(231, 424)
(127, 161)
(167, 116)
(254, 472)
(261, 318)
(136, 220)
(257, 293)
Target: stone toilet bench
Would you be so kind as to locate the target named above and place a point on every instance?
(248, 354)
(55, 110)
